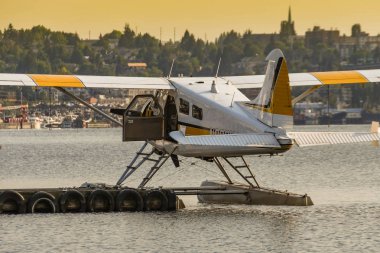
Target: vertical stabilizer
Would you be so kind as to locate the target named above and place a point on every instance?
(273, 105)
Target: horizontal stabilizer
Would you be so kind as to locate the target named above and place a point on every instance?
(232, 140)
(328, 138)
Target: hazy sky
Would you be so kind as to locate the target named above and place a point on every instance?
(202, 17)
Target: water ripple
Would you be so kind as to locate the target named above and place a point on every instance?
(343, 182)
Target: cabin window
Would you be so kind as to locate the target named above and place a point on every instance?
(184, 106)
(197, 112)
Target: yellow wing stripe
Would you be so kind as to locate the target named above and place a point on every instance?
(57, 81)
(340, 77)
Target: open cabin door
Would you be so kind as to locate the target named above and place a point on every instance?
(143, 120)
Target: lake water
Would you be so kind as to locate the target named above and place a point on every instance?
(342, 180)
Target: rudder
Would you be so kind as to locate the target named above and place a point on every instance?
(273, 105)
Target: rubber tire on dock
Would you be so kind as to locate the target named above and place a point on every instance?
(172, 200)
(135, 203)
(72, 195)
(13, 196)
(39, 197)
(156, 200)
(99, 193)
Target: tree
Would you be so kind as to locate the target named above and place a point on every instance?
(39, 33)
(43, 67)
(77, 56)
(251, 50)
(146, 41)
(376, 54)
(188, 42)
(10, 33)
(231, 51)
(121, 66)
(127, 39)
(113, 35)
(58, 38)
(28, 63)
(359, 56)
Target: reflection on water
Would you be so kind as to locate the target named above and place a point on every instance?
(343, 182)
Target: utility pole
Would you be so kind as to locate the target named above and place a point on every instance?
(160, 35)
(174, 35)
(328, 105)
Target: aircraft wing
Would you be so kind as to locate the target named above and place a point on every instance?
(241, 82)
(228, 140)
(225, 145)
(312, 79)
(78, 81)
(303, 139)
(262, 140)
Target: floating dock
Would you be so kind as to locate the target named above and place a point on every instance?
(104, 198)
(87, 198)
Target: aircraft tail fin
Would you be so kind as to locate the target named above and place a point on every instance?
(273, 105)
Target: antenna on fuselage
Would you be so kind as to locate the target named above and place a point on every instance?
(213, 85)
(217, 70)
(232, 100)
(171, 69)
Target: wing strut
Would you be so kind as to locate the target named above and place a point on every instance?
(89, 106)
(305, 94)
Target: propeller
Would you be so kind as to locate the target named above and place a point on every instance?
(175, 160)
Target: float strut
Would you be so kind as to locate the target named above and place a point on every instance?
(220, 166)
(245, 165)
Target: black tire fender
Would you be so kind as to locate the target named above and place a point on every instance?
(15, 196)
(132, 195)
(156, 200)
(70, 194)
(42, 196)
(172, 200)
(100, 193)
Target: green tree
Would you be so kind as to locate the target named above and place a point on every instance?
(376, 54)
(113, 35)
(10, 33)
(77, 56)
(127, 39)
(188, 42)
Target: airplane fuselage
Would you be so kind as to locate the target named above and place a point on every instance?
(204, 111)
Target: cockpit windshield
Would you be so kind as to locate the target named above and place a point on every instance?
(140, 103)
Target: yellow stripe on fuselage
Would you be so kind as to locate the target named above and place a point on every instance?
(57, 81)
(196, 131)
(340, 77)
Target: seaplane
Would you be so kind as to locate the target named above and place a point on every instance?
(209, 118)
